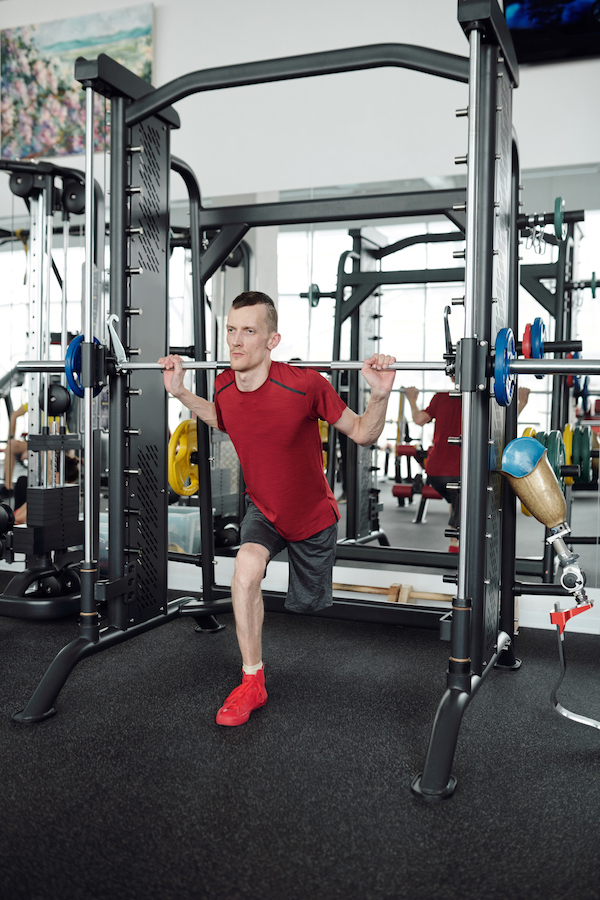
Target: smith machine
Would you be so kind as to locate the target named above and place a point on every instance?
(136, 588)
(49, 586)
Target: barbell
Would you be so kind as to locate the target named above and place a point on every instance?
(506, 365)
(324, 366)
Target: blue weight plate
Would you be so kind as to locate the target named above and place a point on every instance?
(504, 380)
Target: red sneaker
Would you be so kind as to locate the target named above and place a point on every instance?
(453, 548)
(246, 697)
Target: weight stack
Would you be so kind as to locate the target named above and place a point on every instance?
(52, 521)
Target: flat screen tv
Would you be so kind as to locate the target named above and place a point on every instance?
(554, 30)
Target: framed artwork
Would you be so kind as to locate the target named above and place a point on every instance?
(42, 106)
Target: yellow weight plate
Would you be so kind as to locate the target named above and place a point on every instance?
(568, 442)
(183, 474)
(324, 432)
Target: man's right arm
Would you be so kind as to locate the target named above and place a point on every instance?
(15, 414)
(173, 375)
(420, 416)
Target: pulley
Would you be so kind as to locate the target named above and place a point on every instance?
(59, 400)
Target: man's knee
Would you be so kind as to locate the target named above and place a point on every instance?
(250, 565)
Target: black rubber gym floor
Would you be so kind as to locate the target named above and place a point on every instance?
(132, 791)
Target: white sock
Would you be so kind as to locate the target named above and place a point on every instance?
(252, 670)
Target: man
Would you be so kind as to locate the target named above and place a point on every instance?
(443, 459)
(270, 411)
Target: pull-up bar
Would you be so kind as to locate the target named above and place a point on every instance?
(407, 56)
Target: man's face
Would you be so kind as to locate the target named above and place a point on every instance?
(248, 337)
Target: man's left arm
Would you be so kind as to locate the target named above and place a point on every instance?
(365, 429)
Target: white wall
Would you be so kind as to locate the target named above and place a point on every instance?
(357, 127)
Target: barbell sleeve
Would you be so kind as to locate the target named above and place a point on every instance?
(554, 366)
(41, 365)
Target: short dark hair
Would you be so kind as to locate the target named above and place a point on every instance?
(252, 298)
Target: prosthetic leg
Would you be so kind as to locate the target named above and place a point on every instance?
(525, 465)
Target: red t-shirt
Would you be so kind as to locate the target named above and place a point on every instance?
(275, 433)
(444, 458)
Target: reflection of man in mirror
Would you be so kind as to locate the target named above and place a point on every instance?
(443, 459)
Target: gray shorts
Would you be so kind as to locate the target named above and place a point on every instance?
(311, 560)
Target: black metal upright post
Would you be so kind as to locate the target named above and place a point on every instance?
(508, 659)
(560, 332)
(199, 307)
(117, 496)
(569, 272)
(335, 355)
(476, 426)
(88, 616)
(352, 450)
(475, 607)
(560, 392)
(437, 782)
